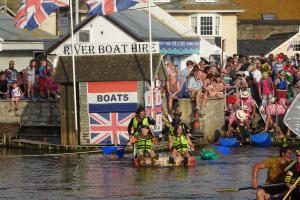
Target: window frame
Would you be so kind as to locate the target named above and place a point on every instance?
(214, 20)
(298, 44)
(85, 30)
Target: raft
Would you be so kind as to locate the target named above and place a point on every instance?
(164, 162)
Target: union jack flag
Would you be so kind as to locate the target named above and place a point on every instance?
(33, 12)
(106, 7)
(109, 128)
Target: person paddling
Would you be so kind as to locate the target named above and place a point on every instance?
(291, 176)
(276, 174)
(145, 145)
(180, 144)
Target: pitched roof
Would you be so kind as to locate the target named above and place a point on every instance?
(9, 32)
(256, 47)
(109, 68)
(134, 23)
(284, 10)
(192, 5)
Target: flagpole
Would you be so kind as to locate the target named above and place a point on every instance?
(150, 50)
(73, 66)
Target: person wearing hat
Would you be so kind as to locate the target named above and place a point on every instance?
(139, 120)
(281, 85)
(291, 176)
(278, 66)
(237, 119)
(265, 89)
(246, 99)
(145, 143)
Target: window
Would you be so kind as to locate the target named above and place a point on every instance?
(206, 25)
(84, 36)
(205, 1)
(268, 16)
(194, 24)
(296, 46)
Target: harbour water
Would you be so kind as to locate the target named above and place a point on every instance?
(92, 176)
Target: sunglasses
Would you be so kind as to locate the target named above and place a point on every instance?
(298, 155)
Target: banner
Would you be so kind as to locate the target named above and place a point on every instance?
(157, 101)
(111, 105)
(179, 47)
(106, 97)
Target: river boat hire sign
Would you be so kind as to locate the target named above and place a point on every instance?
(88, 49)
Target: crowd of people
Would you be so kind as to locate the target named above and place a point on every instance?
(249, 85)
(35, 82)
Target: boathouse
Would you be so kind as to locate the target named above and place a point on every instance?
(112, 51)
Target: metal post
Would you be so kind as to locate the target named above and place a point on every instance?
(150, 46)
(76, 12)
(73, 67)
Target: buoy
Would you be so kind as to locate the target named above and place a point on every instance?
(196, 125)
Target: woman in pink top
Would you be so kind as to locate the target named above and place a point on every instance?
(266, 89)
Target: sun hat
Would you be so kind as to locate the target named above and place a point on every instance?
(245, 94)
(241, 115)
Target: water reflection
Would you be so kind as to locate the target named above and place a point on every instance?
(96, 177)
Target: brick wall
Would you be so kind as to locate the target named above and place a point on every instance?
(40, 113)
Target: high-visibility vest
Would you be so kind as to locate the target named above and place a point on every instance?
(145, 122)
(145, 145)
(180, 143)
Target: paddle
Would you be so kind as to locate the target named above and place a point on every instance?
(288, 194)
(119, 150)
(248, 188)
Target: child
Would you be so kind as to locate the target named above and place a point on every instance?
(15, 96)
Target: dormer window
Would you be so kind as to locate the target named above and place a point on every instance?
(268, 16)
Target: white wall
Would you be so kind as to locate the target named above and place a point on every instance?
(103, 31)
(21, 60)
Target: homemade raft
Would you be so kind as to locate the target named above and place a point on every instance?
(164, 161)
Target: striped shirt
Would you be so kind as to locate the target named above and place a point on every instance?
(275, 109)
(275, 168)
(247, 101)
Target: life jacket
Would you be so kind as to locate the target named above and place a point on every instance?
(268, 82)
(136, 124)
(180, 143)
(282, 85)
(145, 145)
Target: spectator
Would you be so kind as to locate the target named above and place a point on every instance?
(197, 91)
(172, 91)
(16, 94)
(43, 78)
(266, 89)
(11, 67)
(30, 79)
(185, 73)
(4, 91)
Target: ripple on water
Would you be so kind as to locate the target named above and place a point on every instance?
(95, 177)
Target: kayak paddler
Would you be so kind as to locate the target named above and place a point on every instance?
(276, 167)
(139, 120)
(145, 143)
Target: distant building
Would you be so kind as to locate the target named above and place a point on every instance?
(213, 20)
(265, 17)
(20, 45)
